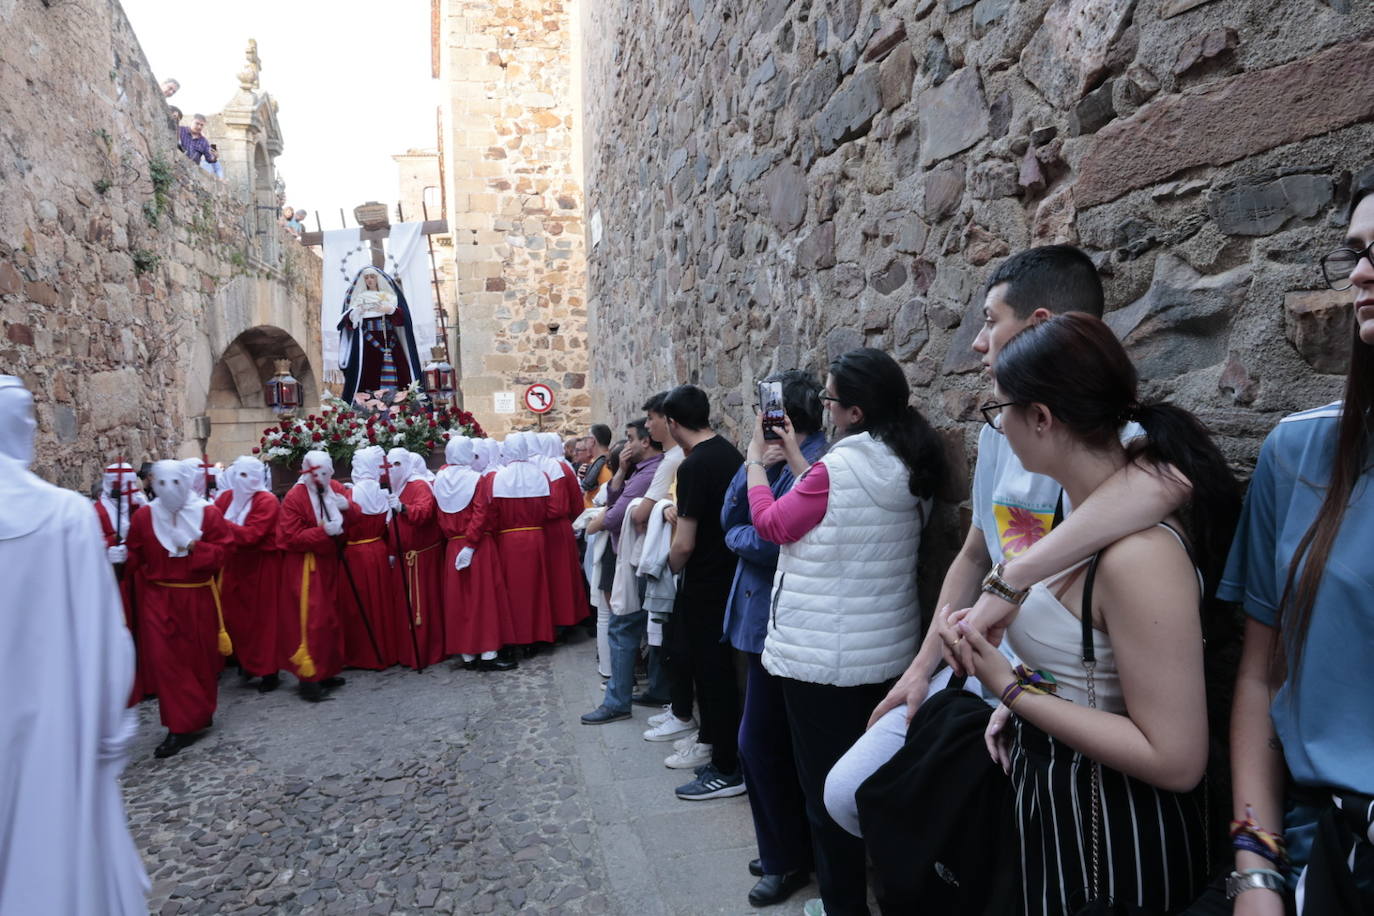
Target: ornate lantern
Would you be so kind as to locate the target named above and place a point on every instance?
(439, 379)
(283, 392)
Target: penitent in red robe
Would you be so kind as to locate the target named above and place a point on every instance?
(178, 621)
(519, 526)
(567, 585)
(251, 586)
(476, 616)
(369, 558)
(310, 586)
(420, 555)
(141, 686)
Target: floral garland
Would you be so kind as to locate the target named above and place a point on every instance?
(390, 419)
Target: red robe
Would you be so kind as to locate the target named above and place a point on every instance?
(369, 558)
(567, 585)
(252, 586)
(179, 626)
(519, 526)
(141, 686)
(421, 558)
(310, 585)
(476, 615)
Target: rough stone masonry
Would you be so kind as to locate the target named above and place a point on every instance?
(782, 180)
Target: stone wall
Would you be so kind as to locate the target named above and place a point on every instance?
(126, 273)
(779, 181)
(510, 148)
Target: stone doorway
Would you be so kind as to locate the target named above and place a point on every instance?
(235, 403)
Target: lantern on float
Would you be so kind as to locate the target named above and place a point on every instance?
(439, 379)
(283, 392)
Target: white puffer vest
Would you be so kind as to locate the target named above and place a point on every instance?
(844, 597)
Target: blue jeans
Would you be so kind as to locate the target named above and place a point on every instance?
(626, 633)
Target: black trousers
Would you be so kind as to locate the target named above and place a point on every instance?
(825, 721)
(712, 663)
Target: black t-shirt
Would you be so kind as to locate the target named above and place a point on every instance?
(702, 479)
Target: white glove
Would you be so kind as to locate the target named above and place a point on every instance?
(117, 554)
(464, 559)
(333, 527)
(395, 501)
(340, 502)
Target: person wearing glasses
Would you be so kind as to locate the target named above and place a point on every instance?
(1301, 567)
(844, 619)
(1108, 803)
(1016, 534)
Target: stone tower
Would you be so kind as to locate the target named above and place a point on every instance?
(510, 157)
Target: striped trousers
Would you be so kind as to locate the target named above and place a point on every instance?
(1152, 849)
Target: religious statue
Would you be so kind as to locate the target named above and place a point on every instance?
(376, 336)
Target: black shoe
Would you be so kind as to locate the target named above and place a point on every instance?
(562, 637)
(531, 651)
(495, 664)
(332, 683)
(269, 683)
(756, 867)
(172, 745)
(644, 699)
(464, 664)
(311, 691)
(773, 889)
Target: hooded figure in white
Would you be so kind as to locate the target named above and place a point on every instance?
(317, 470)
(176, 507)
(205, 479)
(522, 476)
(119, 496)
(455, 485)
(246, 478)
(65, 676)
(367, 491)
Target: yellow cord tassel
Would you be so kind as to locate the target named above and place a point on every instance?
(226, 645)
(305, 665)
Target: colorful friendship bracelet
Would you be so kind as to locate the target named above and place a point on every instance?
(1028, 681)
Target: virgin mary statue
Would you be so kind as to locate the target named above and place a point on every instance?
(376, 337)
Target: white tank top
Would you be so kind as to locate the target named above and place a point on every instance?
(1047, 636)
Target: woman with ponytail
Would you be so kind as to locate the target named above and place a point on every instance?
(1108, 804)
(1301, 565)
(844, 620)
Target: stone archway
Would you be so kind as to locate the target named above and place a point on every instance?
(235, 403)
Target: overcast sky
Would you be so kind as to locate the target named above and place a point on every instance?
(351, 79)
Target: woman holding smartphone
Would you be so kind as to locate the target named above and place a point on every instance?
(844, 619)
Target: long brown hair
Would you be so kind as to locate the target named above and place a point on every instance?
(1349, 462)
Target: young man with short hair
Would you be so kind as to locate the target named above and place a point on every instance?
(1013, 510)
(628, 621)
(707, 566)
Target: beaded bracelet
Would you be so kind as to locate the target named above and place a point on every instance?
(1246, 834)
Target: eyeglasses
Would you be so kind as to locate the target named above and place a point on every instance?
(828, 399)
(1341, 263)
(992, 413)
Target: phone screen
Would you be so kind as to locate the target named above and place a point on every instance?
(770, 403)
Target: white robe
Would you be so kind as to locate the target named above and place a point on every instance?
(66, 668)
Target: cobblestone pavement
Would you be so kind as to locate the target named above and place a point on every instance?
(447, 791)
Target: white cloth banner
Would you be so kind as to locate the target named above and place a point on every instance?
(345, 253)
(408, 256)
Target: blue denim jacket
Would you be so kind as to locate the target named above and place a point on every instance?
(746, 613)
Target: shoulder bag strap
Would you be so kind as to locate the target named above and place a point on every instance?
(1089, 664)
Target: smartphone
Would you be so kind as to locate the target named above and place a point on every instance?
(770, 402)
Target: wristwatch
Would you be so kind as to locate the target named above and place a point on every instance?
(759, 463)
(1238, 882)
(994, 584)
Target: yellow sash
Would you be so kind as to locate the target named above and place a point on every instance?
(226, 646)
(301, 659)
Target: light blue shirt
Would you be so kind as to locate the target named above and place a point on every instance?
(1324, 712)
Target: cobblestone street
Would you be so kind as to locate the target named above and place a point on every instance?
(447, 791)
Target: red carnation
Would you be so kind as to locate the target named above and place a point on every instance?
(433, 424)
(336, 438)
(429, 445)
(256, 450)
(316, 437)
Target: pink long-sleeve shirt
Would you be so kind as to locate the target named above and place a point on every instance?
(786, 520)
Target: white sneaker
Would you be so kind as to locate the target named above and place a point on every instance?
(689, 759)
(659, 718)
(670, 729)
(685, 741)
